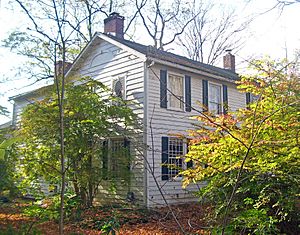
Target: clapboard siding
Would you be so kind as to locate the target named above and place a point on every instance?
(105, 63)
(21, 102)
(19, 105)
(167, 122)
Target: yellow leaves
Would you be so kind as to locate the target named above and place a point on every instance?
(234, 166)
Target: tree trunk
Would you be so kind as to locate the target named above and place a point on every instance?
(90, 183)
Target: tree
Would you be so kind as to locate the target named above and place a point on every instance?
(3, 111)
(58, 31)
(212, 31)
(7, 162)
(89, 120)
(80, 19)
(38, 41)
(250, 159)
(169, 20)
(52, 31)
(282, 3)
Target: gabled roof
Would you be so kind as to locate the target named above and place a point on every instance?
(42, 90)
(151, 52)
(148, 52)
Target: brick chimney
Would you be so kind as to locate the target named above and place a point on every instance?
(229, 61)
(59, 66)
(114, 25)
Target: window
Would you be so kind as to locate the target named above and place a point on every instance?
(175, 150)
(172, 151)
(116, 159)
(215, 98)
(118, 87)
(175, 91)
(118, 154)
(176, 94)
(250, 98)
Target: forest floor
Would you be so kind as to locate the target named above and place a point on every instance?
(94, 220)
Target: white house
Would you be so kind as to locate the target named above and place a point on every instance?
(165, 88)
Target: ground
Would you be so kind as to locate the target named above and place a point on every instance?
(91, 221)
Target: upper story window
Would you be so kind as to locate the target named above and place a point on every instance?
(250, 98)
(118, 87)
(215, 98)
(176, 91)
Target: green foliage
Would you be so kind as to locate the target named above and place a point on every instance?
(7, 163)
(108, 227)
(4, 146)
(3, 111)
(43, 214)
(48, 209)
(256, 148)
(89, 119)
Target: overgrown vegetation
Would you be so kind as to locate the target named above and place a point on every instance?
(89, 120)
(250, 158)
(8, 187)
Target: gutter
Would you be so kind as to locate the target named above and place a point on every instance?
(192, 70)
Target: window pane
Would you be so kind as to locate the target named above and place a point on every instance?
(175, 150)
(119, 159)
(215, 101)
(176, 91)
(117, 152)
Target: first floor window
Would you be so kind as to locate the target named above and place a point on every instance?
(176, 94)
(173, 150)
(116, 158)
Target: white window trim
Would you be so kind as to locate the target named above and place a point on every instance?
(117, 77)
(169, 93)
(221, 94)
(184, 164)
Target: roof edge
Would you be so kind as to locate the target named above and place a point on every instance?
(193, 70)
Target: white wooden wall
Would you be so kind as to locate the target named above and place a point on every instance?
(18, 107)
(167, 122)
(105, 63)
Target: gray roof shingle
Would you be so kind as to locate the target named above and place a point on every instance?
(150, 51)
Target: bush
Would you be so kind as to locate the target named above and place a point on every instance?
(250, 159)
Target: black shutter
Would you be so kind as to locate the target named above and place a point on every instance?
(225, 99)
(188, 98)
(127, 152)
(205, 94)
(248, 98)
(163, 88)
(190, 163)
(126, 143)
(164, 158)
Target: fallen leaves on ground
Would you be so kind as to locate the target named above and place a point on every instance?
(125, 220)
